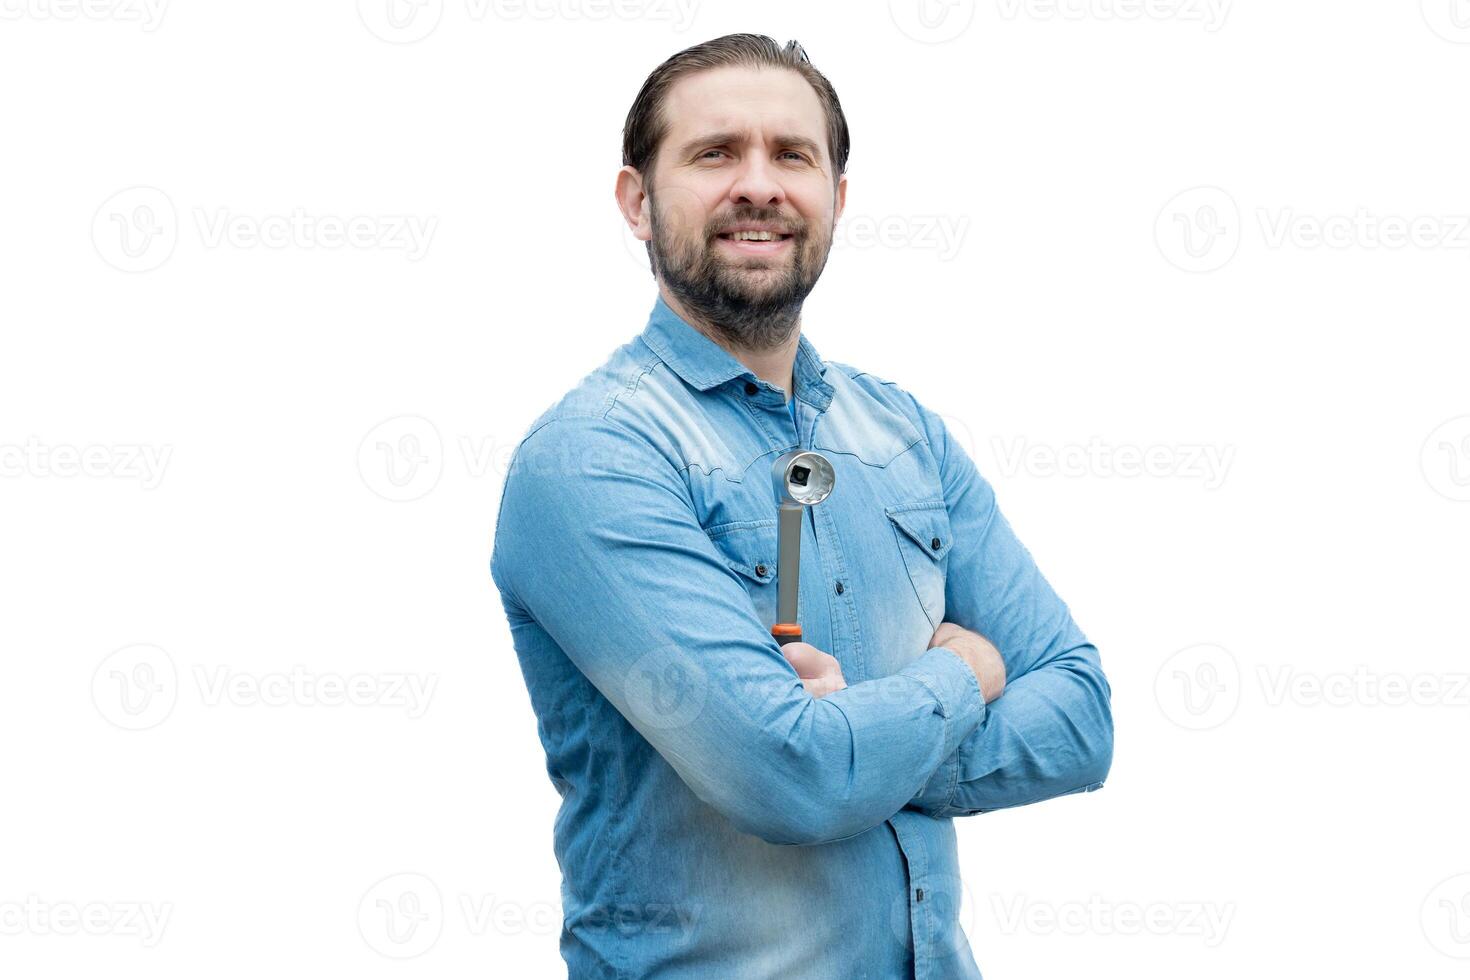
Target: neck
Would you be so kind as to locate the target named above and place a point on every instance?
(773, 365)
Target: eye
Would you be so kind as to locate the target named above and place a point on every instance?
(794, 153)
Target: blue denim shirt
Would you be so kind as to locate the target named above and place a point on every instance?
(716, 820)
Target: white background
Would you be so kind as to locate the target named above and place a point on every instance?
(238, 472)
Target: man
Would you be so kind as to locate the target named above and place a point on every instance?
(730, 807)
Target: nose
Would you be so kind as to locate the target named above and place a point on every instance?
(756, 184)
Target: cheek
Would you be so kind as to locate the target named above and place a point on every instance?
(686, 211)
(814, 206)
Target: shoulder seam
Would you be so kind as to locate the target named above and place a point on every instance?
(650, 362)
(856, 372)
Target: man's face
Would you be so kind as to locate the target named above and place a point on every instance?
(745, 147)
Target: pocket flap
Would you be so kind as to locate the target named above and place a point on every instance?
(926, 522)
(748, 547)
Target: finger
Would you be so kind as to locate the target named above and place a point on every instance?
(808, 660)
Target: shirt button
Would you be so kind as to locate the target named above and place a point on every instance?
(839, 588)
(918, 894)
(934, 544)
(750, 388)
(760, 569)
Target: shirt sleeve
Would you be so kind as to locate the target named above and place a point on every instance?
(1050, 732)
(599, 543)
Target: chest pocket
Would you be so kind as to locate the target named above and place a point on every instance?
(749, 549)
(922, 531)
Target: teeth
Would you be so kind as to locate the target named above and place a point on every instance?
(752, 236)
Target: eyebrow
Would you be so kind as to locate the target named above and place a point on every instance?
(725, 138)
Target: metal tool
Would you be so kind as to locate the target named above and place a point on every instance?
(802, 478)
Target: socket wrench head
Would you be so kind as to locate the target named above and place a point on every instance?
(802, 477)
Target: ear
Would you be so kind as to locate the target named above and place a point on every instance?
(841, 200)
(633, 203)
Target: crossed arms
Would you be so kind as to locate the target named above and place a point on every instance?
(597, 542)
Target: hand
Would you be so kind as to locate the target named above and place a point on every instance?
(820, 672)
(982, 656)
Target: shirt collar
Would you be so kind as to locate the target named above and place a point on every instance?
(704, 364)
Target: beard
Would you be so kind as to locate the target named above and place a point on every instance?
(752, 302)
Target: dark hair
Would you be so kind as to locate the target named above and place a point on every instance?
(646, 126)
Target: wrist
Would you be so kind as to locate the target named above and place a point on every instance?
(985, 661)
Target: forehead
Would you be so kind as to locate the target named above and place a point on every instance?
(759, 102)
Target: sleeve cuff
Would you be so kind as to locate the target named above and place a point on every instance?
(957, 690)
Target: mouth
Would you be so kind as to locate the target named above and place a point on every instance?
(775, 243)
